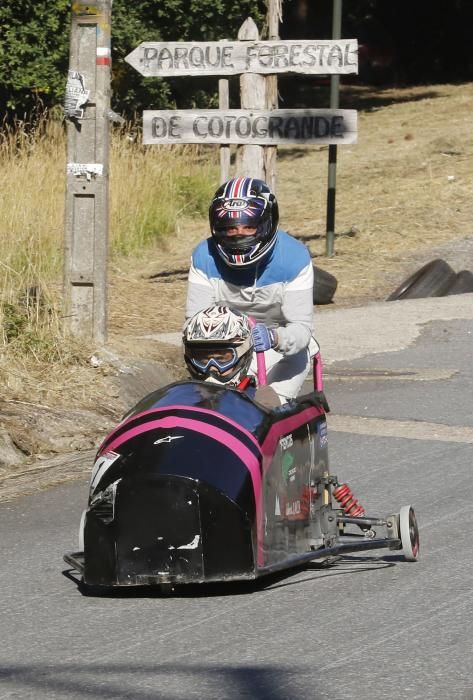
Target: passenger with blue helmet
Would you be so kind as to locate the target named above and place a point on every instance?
(252, 266)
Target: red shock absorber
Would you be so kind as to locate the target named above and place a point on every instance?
(348, 502)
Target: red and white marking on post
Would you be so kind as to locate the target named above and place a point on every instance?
(103, 56)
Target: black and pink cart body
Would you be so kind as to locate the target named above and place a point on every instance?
(201, 483)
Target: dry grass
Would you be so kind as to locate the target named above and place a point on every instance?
(406, 186)
(151, 189)
(32, 194)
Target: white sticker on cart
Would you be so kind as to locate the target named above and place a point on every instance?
(191, 545)
(323, 434)
(286, 442)
(101, 465)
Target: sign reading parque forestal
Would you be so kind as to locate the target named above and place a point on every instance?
(250, 126)
(259, 127)
(168, 59)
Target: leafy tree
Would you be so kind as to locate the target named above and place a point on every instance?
(34, 49)
(426, 41)
(171, 20)
(33, 53)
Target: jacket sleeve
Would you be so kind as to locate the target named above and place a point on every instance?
(200, 293)
(297, 308)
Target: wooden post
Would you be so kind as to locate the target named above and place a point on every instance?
(224, 103)
(274, 16)
(250, 159)
(88, 127)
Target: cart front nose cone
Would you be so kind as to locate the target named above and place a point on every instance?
(166, 530)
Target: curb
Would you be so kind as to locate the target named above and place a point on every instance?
(351, 333)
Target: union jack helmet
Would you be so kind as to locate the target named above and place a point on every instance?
(218, 345)
(248, 202)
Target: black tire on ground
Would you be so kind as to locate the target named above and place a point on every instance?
(325, 285)
(432, 280)
(462, 284)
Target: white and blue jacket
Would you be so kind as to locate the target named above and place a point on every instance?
(277, 291)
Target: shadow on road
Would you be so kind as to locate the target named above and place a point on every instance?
(145, 681)
(347, 565)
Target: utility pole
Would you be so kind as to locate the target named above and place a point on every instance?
(87, 110)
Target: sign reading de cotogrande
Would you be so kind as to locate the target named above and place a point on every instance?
(278, 126)
(165, 59)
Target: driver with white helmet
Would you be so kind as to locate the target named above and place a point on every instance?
(254, 267)
(219, 348)
(218, 345)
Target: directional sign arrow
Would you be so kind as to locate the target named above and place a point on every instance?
(320, 57)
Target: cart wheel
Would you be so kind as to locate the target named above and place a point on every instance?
(409, 533)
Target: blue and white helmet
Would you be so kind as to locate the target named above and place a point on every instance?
(248, 202)
(218, 345)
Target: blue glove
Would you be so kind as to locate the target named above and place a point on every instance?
(263, 338)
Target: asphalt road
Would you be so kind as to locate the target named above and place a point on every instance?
(372, 626)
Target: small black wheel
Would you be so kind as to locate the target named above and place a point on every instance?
(325, 286)
(432, 280)
(409, 533)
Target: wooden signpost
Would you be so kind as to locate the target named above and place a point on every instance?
(257, 128)
(250, 158)
(173, 59)
(273, 19)
(239, 126)
(254, 127)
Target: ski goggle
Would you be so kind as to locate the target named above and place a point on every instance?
(222, 359)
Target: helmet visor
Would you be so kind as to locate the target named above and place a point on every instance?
(223, 228)
(246, 211)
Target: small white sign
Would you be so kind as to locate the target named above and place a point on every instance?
(88, 169)
(76, 95)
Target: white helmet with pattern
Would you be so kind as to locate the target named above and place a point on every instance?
(218, 345)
